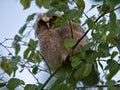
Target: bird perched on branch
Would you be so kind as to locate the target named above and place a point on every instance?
(51, 40)
(52, 44)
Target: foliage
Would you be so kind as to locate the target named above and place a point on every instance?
(105, 37)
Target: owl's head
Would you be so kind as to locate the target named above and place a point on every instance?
(43, 22)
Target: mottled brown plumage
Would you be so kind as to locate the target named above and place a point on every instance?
(51, 39)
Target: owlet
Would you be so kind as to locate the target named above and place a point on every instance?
(51, 40)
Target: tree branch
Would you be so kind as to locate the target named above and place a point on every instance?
(32, 75)
(51, 76)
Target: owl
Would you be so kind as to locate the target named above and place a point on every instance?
(51, 40)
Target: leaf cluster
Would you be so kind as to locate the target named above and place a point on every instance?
(104, 46)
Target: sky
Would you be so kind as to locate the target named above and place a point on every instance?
(13, 17)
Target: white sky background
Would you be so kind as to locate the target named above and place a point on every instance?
(12, 17)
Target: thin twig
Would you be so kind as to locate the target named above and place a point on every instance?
(44, 61)
(32, 75)
(51, 76)
(105, 12)
(6, 48)
(80, 39)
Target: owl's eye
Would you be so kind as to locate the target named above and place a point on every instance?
(52, 21)
(44, 25)
(41, 22)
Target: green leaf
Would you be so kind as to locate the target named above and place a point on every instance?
(25, 3)
(113, 68)
(103, 49)
(88, 46)
(60, 22)
(113, 2)
(81, 4)
(22, 29)
(118, 44)
(112, 64)
(35, 70)
(118, 27)
(113, 23)
(110, 83)
(90, 56)
(114, 88)
(90, 24)
(31, 56)
(51, 12)
(14, 60)
(92, 7)
(70, 14)
(69, 43)
(13, 83)
(82, 51)
(17, 49)
(114, 54)
(6, 66)
(83, 71)
(105, 6)
(26, 53)
(37, 57)
(17, 38)
(33, 43)
(30, 17)
(75, 61)
(2, 84)
(30, 87)
(58, 85)
(100, 88)
(44, 3)
(87, 70)
(96, 36)
(93, 78)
